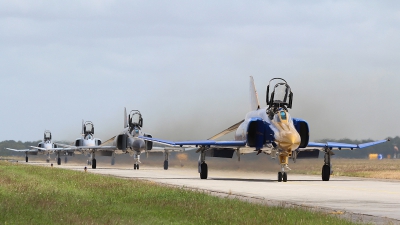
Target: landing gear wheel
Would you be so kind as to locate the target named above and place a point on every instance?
(93, 163)
(134, 166)
(284, 177)
(165, 165)
(58, 161)
(204, 171)
(65, 159)
(280, 176)
(137, 166)
(112, 162)
(326, 172)
(26, 159)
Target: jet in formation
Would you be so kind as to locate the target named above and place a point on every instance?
(270, 130)
(45, 147)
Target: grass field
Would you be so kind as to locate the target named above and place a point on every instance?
(44, 195)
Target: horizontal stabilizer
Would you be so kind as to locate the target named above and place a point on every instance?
(226, 131)
(108, 142)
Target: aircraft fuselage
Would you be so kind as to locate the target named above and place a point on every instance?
(280, 130)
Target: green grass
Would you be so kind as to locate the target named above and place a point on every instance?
(42, 195)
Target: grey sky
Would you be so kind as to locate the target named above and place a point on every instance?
(186, 65)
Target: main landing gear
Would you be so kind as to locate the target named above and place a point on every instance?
(113, 159)
(65, 159)
(58, 159)
(166, 154)
(326, 168)
(93, 160)
(26, 156)
(48, 158)
(203, 168)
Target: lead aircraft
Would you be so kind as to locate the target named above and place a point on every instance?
(270, 130)
(46, 147)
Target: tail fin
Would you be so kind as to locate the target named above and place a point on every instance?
(254, 103)
(125, 119)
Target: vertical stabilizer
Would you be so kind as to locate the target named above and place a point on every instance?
(83, 131)
(125, 120)
(254, 104)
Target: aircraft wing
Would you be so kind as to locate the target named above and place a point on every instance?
(340, 146)
(22, 150)
(51, 149)
(197, 143)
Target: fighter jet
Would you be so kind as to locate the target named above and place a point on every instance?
(270, 130)
(87, 144)
(46, 147)
(129, 141)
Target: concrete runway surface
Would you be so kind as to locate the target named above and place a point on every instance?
(376, 201)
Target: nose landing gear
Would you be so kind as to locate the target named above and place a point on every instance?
(282, 175)
(136, 157)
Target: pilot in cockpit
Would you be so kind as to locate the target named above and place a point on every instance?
(281, 116)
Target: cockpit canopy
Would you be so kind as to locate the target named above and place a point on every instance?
(88, 128)
(135, 119)
(281, 95)
(47, 135)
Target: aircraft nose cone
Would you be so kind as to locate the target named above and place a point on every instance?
(290, 141)
(138, 144)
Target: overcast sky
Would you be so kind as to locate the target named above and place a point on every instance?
(186, 65)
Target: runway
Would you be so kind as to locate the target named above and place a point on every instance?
(375, 200)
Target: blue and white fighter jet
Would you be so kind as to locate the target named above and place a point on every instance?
(270, 130)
